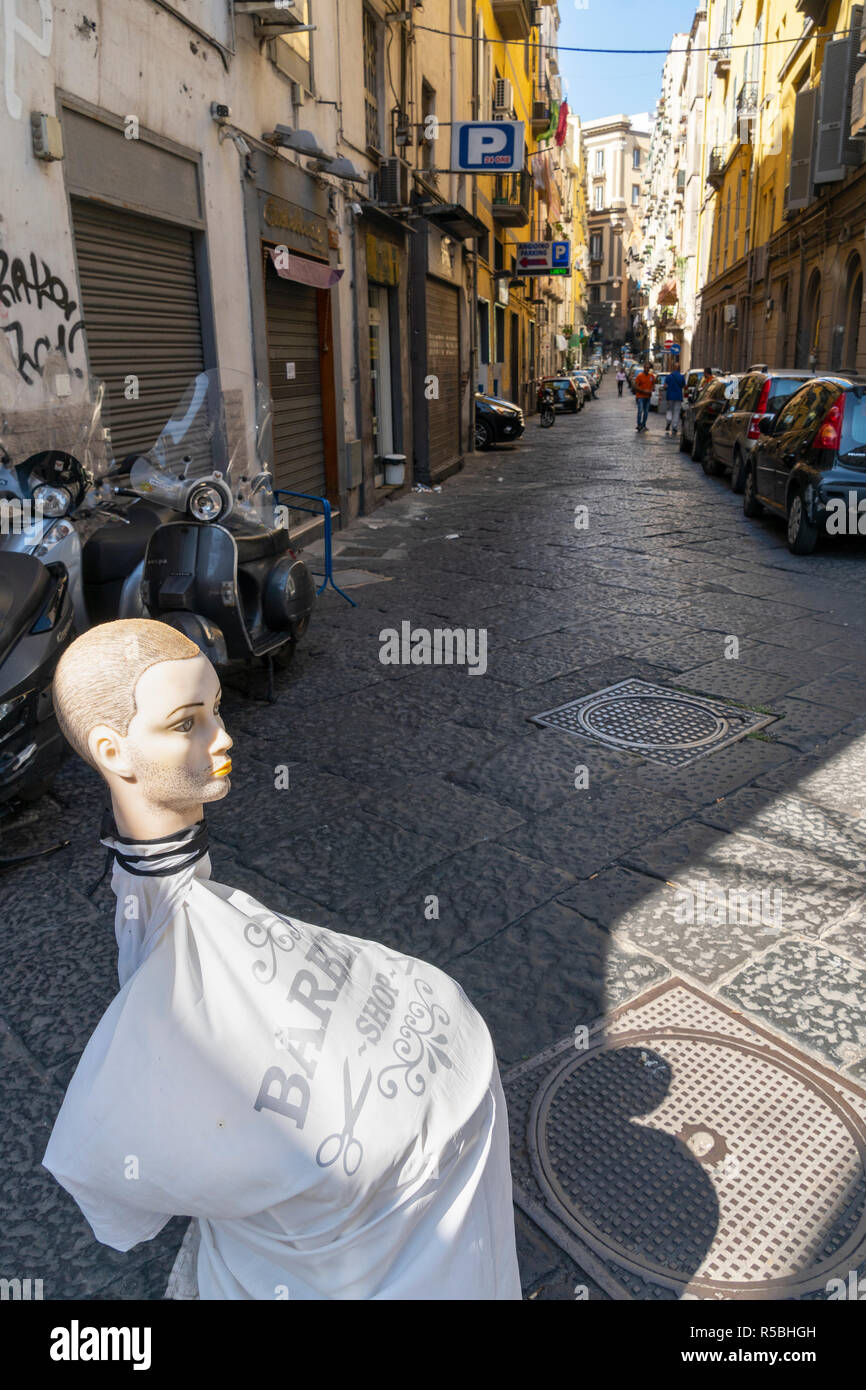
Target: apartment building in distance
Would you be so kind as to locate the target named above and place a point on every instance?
(615, 151)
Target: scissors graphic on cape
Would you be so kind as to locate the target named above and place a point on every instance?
(346, 1143)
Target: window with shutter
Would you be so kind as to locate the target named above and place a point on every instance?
(834, 149)
(802, 145)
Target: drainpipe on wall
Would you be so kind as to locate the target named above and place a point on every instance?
(356, 334)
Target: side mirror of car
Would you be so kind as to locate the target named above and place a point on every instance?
(766, 423)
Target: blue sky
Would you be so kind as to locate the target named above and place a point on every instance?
(600, 84)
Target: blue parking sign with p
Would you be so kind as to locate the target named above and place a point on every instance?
(559, 254)
(487, 147)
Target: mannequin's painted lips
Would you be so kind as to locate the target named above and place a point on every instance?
(223, 770)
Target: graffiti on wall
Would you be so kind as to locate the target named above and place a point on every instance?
(37, 313)
(15, 28)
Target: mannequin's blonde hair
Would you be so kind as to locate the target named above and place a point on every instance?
(97, 675)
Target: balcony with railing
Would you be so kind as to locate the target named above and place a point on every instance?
(511, 199)
(747, 99)
(721, 54)
(540, 111)
(716, 167)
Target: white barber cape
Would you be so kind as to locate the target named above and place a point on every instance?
(330, 1111)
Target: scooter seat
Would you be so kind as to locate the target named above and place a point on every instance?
(24, 585)
(114, 551)
(261, 545)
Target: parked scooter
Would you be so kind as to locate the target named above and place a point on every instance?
(186, 533)
(224, 574)
(36, 625)
(546, 409)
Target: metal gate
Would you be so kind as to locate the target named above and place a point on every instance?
(443, 362)
(296, 383)
(139, 294)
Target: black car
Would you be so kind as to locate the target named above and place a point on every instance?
(763, 391)
(809, 464)
(564, 393)
(496, 421)
(700, 414)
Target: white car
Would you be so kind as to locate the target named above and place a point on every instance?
(658, 391)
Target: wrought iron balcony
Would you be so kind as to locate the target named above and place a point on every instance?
(721, 54)
(747, 99)
(716, 166)
(511, 199)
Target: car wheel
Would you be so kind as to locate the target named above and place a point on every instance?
(710, 463)
(802, 533)
(697, 448)
(751, 505)
(483, 435)
(738, 472)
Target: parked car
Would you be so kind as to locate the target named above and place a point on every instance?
(809, 464)
(583, 377)
(700, 414)
(658, 392)
(496, 421)
(695, 380)
(763, 391)
(564, 393)
(581, 392)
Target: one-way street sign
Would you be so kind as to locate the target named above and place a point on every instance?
(543, 258)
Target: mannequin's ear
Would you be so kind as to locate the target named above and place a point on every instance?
(108, 751)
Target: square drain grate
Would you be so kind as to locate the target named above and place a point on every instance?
(665, 726)
(688, 1153)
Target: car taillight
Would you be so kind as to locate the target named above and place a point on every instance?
(829, 435)
(760, 409)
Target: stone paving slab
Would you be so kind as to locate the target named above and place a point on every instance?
(479, 892)
(811, 895)
(809, 993)
(550, 971)
(789, 822)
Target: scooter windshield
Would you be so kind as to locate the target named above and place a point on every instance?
(210, 460)
(59, 413)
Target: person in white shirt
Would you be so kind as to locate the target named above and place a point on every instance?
(328, 1110)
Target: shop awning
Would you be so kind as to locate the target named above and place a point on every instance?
(305, 272)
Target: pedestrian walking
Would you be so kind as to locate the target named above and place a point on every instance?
(674, 387)
(620, 378)
(644, 383)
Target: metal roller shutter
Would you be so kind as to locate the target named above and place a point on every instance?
(141, 315)
(443, 361)
(293, 336)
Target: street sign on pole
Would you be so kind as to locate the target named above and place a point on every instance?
(487, 147)
(543, 258)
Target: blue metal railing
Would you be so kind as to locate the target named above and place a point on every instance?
(326, 513)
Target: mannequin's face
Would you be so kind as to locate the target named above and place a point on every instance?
(174, 756)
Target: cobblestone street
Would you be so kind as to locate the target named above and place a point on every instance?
(559, 894)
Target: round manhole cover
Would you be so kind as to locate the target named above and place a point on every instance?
(703, 1163)
(652, 721)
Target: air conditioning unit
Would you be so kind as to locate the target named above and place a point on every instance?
(503, 99)
(392, 182)
(271, 19)
(731, 314)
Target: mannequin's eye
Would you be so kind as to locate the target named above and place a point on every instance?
(185, 727)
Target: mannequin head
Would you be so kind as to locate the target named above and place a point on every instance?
(139, 702)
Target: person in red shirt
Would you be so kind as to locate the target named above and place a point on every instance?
(644, 383)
